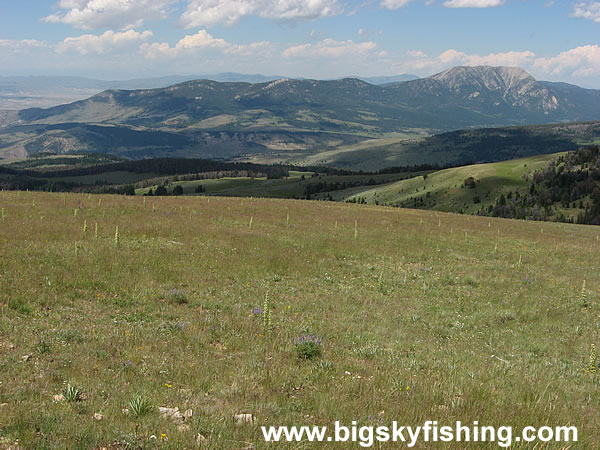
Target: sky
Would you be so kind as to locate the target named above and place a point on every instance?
(555, 40)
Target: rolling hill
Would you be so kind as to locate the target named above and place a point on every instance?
(445, 190)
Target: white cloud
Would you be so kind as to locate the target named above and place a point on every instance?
(589, 10)
(329, 48)
(202, 40)
(119, 14)
(581, 61)
(473, 3)
(12, 44)
(416, 54)
(395, 4)
(211, 12)
(104, 43)
(574, 65)
(512, 58)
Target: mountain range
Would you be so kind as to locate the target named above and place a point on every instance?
(206, 118)
(46, 91)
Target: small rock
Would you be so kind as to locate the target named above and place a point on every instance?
(3, 405)
(58, 398)
(241, 419)
(7, 345)
(171, 413)
(185, 392)
(200, 438)
(98, 416)
(9, 444)
(25, 358)
(188, 414)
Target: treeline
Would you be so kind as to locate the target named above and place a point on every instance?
(28, 184)
(324, 186)
(571, 181)
(165, 181)
(419, 168)
(166, 166)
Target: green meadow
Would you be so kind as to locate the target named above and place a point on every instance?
(293, 186)
(114, 306)
(443, 190)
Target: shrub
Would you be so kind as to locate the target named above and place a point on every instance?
(469, 183)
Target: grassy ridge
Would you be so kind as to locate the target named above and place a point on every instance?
(444, 191)
(424, 316)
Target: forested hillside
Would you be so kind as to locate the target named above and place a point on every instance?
(571, 182)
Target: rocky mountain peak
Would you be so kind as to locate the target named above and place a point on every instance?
(493, 78)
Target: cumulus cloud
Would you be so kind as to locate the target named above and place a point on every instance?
(211, 12)
(589, 10)
(473, 3)
(419, 61)
(201, 40)
(104, 43)
(395, 4)
(119, 14)
(571, 65)
(581, 61)
(329, 48)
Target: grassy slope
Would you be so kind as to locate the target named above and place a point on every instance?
(443, 190)
(291, 187)
(411, 312)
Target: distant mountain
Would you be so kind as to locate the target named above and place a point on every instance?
(46, 91)
(457, 98)
(499, 96)
(209, 118)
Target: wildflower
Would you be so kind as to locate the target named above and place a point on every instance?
(308, 347)
(168, 385)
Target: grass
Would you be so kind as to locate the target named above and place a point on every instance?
(443, 190)
(290, 187)
(423, 316)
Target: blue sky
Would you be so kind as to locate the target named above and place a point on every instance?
(114, 39)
